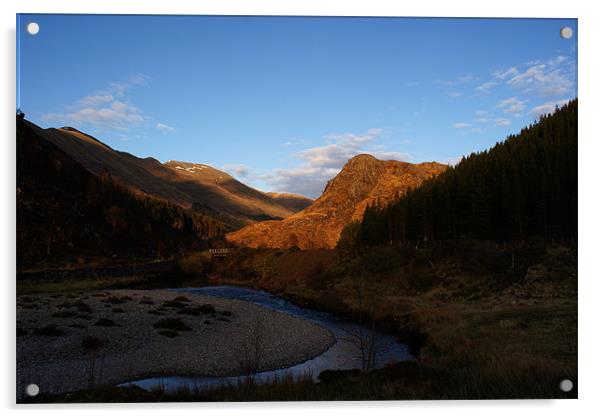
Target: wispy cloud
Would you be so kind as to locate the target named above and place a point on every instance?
(96, 99)
(109, 108)
(237, 170)
(482, 116)
(164, 127)
(461, 125)
(452, 87)
(529, 81)
(511, 105)
(548, 107)
(504, 74)
(116, 115)
(550, 78)
(486, 86)
(121, 88)
(542, 78)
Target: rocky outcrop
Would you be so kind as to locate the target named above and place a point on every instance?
(363, 181)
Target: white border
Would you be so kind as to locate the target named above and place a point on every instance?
(590, 137)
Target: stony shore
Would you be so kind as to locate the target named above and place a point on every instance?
(68, 342)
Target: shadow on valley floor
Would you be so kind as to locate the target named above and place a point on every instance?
(485, 321)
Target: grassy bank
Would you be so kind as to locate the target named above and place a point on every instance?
(403, 381)
(485, 321)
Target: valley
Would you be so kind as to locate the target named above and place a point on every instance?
(472, 267)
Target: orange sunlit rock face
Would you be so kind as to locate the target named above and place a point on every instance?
(363, 181)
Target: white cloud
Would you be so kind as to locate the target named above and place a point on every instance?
(548, 107)
(96, 99)
(461, 125)
(164, 127)
(551, 78)
(391, 155)
(121, 88)
(341, 148)
(482, 116)
(237, 170)
(486, 86)
(503, 74)
(557, 60)
(501, 122)
(120, 116)
(322, 163)
(109, 109)
(477, 130)
(511, 105)
(466, 78)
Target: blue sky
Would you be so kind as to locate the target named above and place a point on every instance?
(282, 102)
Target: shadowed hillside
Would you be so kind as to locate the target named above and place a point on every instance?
(186, 184)
(65, 214)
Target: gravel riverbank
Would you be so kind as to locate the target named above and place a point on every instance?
(66, 342)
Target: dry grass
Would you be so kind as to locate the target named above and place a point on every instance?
(487, 336)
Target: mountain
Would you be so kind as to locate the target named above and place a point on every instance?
(196, 186)
(67, 215)
(259, 206)
(524, 188)
(363, 181)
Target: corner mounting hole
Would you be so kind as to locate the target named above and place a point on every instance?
(566, 32)
(32, 390)
(566, 385)
(33, 28)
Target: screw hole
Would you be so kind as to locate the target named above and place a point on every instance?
(32, 390)
(33, 28)
(566, 32)
(566, 385)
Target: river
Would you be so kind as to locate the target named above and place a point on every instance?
(342, 355)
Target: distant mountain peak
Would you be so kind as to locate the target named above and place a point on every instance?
(182, 183)
(362, 157)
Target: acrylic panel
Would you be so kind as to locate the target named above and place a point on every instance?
(270, 208)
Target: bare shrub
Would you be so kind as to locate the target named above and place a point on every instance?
(91, 347)
(370, 345)
(253, 350)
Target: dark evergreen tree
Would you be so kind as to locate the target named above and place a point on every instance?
(523, 187)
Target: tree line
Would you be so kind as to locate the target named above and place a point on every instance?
(66, 214)
(523, 187)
